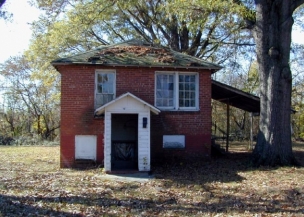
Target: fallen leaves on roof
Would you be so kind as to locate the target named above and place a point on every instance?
(162, 55)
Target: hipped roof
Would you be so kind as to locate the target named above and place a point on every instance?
(143, 54)
(137, 53)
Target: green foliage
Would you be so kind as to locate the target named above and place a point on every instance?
(297, 65)
(29, 100)
(205, 32)
(209, 29)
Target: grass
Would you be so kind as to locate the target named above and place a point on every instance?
(32, 184)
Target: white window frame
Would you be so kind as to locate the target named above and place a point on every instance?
(176, 106)
(103, 71)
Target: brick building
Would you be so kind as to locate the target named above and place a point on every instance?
(131, 104)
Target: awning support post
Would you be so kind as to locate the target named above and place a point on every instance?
(228, 127)
(251, 131)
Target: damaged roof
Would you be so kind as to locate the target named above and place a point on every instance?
(137, 53)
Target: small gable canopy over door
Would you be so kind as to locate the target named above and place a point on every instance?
(127, 132)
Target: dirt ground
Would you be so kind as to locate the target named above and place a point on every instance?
(32, 184)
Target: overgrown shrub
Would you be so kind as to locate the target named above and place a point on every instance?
(33, 141)
(6, 140)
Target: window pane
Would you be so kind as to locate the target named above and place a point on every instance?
(111, 89)
(192, 86)
(187, 78)
(181, 103)
(187, 93)
(181, 94)
(187, 86)
(181, 78)
(105, 88)
(158, 94)
(192, 103)
(158, 82)
(165, 94)
(159, 102)
(187, 104)
(99, 90)
(99, 78)
(164, 90)
(192, 95)
(105, 83)
(166, 86)
(181, 86)
(110, 77)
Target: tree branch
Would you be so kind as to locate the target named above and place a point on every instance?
(296, 4)
(238, 44)
(91, 31)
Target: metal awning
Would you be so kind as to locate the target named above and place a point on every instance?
(235, 97)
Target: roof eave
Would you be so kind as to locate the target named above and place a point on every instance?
(101, 110)
(213, 69)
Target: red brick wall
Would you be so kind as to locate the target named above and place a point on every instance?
(77, 109)
(196, 126)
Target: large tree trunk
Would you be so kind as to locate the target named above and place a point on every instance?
(272, 34)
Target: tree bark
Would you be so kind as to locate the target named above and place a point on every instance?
(272, 33)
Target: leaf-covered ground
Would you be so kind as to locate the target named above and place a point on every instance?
(31, 184)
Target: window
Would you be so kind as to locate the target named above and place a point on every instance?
(176, 91)
(164, 90)
(104, 87)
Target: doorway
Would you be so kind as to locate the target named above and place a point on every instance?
(124, 142)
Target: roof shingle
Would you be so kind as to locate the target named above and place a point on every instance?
(137, 53)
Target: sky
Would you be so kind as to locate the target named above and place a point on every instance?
(15, 35)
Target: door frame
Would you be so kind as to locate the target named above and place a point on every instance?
(125, 122)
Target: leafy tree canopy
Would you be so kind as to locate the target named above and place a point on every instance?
(3, 13)
(212, 32)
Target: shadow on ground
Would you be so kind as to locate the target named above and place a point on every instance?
(161, 194)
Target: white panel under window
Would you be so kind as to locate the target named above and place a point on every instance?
(85, 147)
(174, 141)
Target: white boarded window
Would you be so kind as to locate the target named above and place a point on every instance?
(174, 141)
(85, 147)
